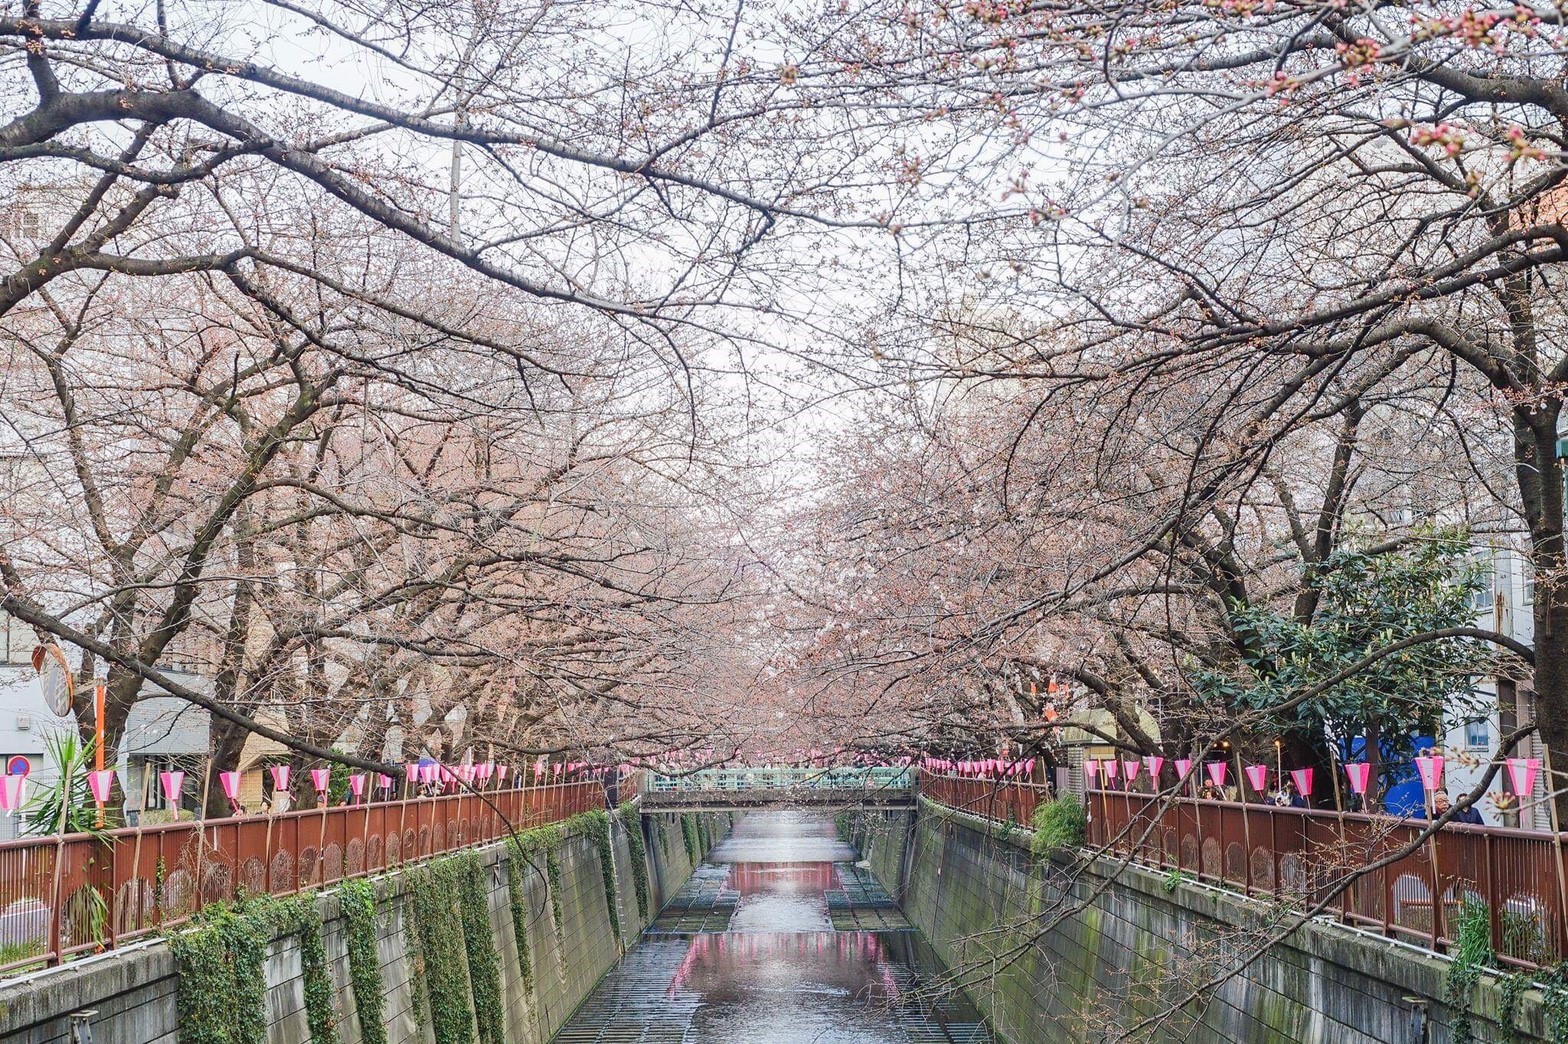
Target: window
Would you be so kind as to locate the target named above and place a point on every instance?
(1478, 734)
(152, 782)
(17, 221)
(16, 641)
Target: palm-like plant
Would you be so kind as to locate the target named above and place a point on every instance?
(65, 803)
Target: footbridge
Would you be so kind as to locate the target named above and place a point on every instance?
(743, 788)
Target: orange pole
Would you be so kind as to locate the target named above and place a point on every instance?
(99, 699)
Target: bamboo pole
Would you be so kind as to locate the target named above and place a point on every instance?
(1246, 825)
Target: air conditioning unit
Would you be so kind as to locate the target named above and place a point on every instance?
(24, 722)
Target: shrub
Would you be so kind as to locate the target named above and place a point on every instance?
(1059, 823)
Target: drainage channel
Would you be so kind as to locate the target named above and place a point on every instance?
(780, 938)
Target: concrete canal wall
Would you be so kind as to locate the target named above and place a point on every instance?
(430, 986)
(1141, 941)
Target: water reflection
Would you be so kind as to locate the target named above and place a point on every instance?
(748, 955)
(783, 837)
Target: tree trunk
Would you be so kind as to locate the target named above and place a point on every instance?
(227, 743)
(1540, 477)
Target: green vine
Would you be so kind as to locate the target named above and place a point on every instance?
(320, 1010)
(417, 1003)
(484, 964)
(1472, 952)
(433, 897)
(632, 821)
(703, 836)
(689, 833)
(1508, 1004)
(221, 958)
(364, 963)
(596, 824)
(517, 899)
(546, 840)
(1554, 1003)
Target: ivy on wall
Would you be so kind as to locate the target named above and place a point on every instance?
(689, 832)
(438, 928)
(320, 1010)
(517, 898)
(364, 963)
(417, 1003)
(596, 824)
(546, 841)
(221, 959)
(632, 821)
(484, 963)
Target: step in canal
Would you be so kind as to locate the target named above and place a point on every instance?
(779, 938)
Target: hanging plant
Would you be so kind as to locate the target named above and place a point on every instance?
(632, 821)
(484, 964)
(596, 824)
(364, 964)
(438, 928)
(689, 833)
(517, 898)
(545, 841)
(221, 961)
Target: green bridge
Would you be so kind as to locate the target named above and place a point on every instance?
(731, 788)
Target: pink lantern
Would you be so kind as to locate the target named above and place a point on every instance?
(1303, 781)
(280, 778)
(98, 783)
(1431, 771)
(1358, 771)
(172, 782)
(1091, 769)
(1111, 768)
(1154, 763)
(1258, 776)
(383, 781)
(1216, 770)
(427, 773)
(1130, 768)
(1183, 766)
(320, 778)
(356, 784)
(539, 767)
(13, 792)
(1522, 771)
(1029, 767)
(500, 772)
(231, 785)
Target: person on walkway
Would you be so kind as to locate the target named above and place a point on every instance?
(1441, 803)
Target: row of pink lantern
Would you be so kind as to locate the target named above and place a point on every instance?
(987, 767)
(1521, 771)
(1217, 771)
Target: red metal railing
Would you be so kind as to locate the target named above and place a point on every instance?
(1001, 800)
(1302, 856)
(76, 894)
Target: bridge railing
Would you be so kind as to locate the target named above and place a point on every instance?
(63, 896)
(1300, 855)
(780, 779)
(1006, 801)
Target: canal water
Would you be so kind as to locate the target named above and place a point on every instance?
(780, 938)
